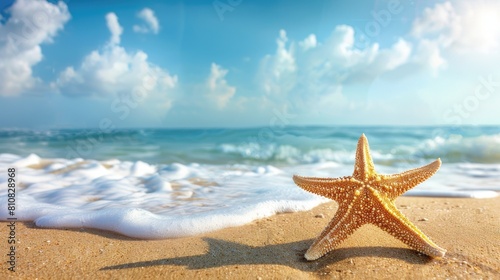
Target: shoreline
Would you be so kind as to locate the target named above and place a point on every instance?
(272, 248)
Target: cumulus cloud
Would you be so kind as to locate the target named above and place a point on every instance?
(461, 27)
(309, 42)
(321, 68)
(218, 90)
(114, 71)
(277, 72)
(31, 24)
(114, 27)
(151, 22)
(429, 55)
(465, 26)
(440, 21)
(480, 27)
(317, 68)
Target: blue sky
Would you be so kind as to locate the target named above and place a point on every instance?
(235, 63)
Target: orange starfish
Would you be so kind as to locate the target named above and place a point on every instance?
(368, 198)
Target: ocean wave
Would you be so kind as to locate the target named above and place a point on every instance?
(296, 145)
(144, 200)
(457, 148)
(452, 149)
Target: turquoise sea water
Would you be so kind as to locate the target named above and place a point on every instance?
(391, 146)
(160, 183)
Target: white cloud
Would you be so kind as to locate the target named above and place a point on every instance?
(434, 31)
(277, 72)
(428, 54)
(319, 69)
(218, 90)
(440, 22)
(31, 24)
(480, 26)
(112, 71)
(396, 56)
(321, 77)
(114, 27)
(464, 26)
(152, 23)
(309, 42)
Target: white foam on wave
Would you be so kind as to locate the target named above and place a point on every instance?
(453, 148)
(161, 201)
(294, 155)
(456, 194)
(145, 201)
(483, 148)
(139, 223)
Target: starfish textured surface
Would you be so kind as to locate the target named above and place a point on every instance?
(368, 198)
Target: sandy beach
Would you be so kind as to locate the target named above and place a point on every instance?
(273, 248)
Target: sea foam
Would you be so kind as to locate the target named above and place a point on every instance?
(152, 201)
(141, 200)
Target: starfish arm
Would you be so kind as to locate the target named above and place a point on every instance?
(398, 184)
(332, 188)
(343, 224)
(363, 167)
(391, 220)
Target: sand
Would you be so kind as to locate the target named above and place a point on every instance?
(272, 248)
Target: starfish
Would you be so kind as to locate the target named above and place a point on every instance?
(367, 197)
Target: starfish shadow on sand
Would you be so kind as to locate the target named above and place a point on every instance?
(224, 253)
